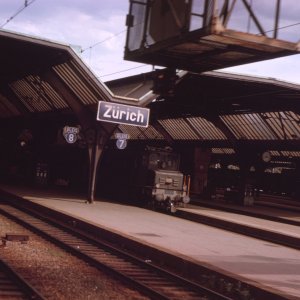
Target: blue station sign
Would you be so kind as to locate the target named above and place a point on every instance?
(123, 114)
(121, 140)
(71, 134)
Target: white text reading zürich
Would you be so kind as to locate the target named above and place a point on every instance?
(116, 113)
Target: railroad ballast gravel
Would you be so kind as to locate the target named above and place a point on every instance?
(56, 273)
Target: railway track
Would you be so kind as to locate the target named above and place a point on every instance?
(238, 227)
(14, 287)
(142, 275)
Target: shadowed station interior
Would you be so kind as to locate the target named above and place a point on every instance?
(185, 131)
(242, 128)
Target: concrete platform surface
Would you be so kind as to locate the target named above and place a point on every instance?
(282, 212)
(285, 229)
(265, 263)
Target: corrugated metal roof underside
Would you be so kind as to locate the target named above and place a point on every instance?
(286, 153)
(141, 133)
(205, 129)
(264, 126)
(286, 124)
(194, 128)
(274, 153)
(222, 151)
(78, 82)
(37, 95)
(179, 129)
(7, 109)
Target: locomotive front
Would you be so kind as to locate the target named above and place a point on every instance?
(169, 187)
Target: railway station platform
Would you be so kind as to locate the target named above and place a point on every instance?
(264, 206)
(258, 262)
(282, 213)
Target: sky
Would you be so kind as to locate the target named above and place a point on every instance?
(97, 28)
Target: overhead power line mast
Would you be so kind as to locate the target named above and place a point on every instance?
(203, 35)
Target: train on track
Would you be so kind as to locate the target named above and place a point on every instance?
(148, 177)
(159, 182)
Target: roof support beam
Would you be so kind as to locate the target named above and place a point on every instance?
(8, 93)
(86, 118)
(162, 131)
(226, 12)
(264, 117)
(83, 114)
(217, 121)
(253, 16)
(37, 86)
(96, 133)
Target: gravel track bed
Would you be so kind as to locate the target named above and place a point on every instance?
(56, 273)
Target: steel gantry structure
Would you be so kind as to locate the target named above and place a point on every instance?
(205, 35)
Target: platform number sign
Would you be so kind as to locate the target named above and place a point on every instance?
(121, 142)
(71, 134)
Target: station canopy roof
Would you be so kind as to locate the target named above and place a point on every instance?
(39, 75)
(223, 111)
(214, 109)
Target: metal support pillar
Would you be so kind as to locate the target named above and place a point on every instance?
(297, 183)
(96, 138)
(95, 149)
(246, 181)
(201, 164)
(96, 135)
(277, 15)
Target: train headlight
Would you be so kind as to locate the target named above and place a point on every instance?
(186, 199)
(157, 185)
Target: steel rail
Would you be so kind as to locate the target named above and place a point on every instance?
(141, 275)
(14, 286)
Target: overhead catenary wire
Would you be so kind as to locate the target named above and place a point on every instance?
(26, 4)
(283, 27)
(101, 42)
(107, 39)
(125, 70)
